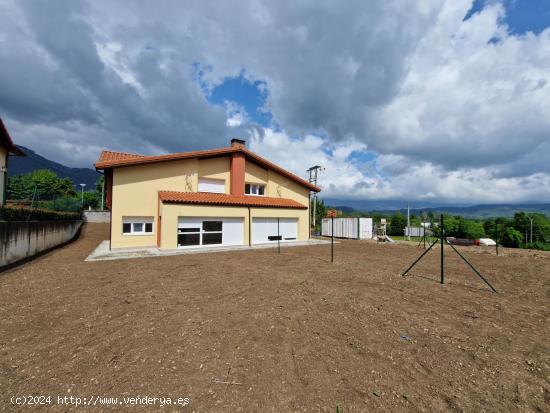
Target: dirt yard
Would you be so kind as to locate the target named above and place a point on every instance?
(255, 331)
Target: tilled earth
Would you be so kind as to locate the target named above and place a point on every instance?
(257, 331)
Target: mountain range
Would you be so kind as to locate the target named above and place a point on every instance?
(418, 207)
(20, 165)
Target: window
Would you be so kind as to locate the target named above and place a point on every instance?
(211, 232)
(216, 186)
(254, 189)
(137, 225)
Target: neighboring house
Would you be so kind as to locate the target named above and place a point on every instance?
(7, 148)
(226, 196)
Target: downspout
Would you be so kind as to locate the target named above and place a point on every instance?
(249, 228)
(159, 224)
(309, 212)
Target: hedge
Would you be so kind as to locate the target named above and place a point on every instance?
(21, 213)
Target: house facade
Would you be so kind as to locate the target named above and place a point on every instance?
(7, 148)
(220, 197)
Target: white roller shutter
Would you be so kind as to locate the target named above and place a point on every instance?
(264, 228)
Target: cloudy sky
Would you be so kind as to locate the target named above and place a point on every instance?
(435, 100)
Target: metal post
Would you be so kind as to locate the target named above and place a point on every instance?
(441, 232)
(496, 236)
(278, 237)
(103, 194)
(408, 222)
(332, 241)
(531, 234)
(473, 268)
(419, 258)
(424, 235)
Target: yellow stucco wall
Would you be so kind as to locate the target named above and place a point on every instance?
(171, 213)
(255, 174)
(282, 187)
(216, 168)
(135, 194)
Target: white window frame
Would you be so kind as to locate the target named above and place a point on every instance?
(138, 220)
(212, 182)
(254, 189)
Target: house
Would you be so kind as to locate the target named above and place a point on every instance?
(227, 196)
(7, 148)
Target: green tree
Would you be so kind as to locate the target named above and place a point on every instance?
(512, 238)
(471, 229)
(42, 183)
(397, 224)
(320, 213)
(91, 199)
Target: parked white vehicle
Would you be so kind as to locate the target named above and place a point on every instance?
(487, 242)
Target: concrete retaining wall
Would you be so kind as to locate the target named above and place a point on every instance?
(20, 240)
(97, 216)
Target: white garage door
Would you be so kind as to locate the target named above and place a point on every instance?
(210, 232)
(264, 230)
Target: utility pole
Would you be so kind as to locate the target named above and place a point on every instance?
(103, 194)
(531, 234)
(82, 195)
(313, 174)
(408, 222)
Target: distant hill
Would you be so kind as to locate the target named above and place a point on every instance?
(467, 211)
(20, 165)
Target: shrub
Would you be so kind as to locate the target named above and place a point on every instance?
(21, 213)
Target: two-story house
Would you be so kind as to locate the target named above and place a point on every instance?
(218, 197)
(7, 148)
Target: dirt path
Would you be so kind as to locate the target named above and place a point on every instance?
(290, 332)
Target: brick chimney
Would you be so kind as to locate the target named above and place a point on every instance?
(238, 165)
(238, 143)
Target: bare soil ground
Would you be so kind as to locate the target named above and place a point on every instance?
(289, 332)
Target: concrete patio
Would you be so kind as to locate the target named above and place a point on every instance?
(102, 252)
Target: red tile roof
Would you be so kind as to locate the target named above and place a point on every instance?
(110, 157)
(109, 160)
(207, 198)
(6, 142)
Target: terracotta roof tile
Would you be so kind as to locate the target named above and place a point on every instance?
(207, 198)
(110, 157)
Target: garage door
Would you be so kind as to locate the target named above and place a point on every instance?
(264, 230)
(210, 232)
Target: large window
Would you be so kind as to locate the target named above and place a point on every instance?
(201, 233)
(189, 236)
(137, 225)
(211, 232)
(254, 189)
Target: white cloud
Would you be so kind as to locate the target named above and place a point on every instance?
(455, 110)
(393, 177)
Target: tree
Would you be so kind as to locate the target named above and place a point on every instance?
(512, 238)
(91, 199)
(42, 183)
(397, 224)
(470, 229)
(320, 213)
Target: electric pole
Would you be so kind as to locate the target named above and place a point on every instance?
(408, 222)
(313, 174)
